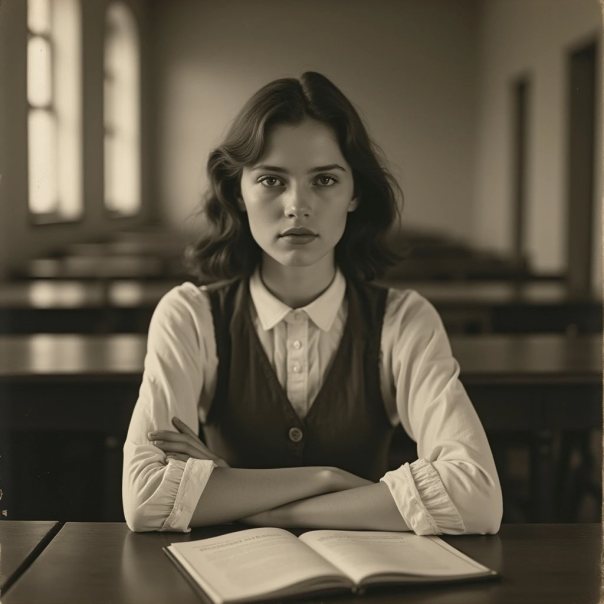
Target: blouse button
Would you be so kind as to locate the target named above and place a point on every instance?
(295, 435)
(297, 344)
(296, 368)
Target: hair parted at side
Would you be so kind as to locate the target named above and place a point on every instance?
(227, 249)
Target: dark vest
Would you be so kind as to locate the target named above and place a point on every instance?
(252, 424)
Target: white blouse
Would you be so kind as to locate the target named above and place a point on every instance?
(451, 488)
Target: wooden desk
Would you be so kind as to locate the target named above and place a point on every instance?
(172, 247)
(98, 268)
(69, 306)
(20, 543)
(490, 361)
(461, 267)
(538, 385)
(126, 305)
(508, 307)
(88, 562)
(82, 389)
(545, 388)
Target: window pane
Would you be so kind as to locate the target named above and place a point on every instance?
(55, 117)
(68, 102)
(122, 111)
(42, 164)
(38, 16)
(39, 72)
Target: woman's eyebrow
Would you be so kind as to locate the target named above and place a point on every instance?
(326, 168)
(267, 168)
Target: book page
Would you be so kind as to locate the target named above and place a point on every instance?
(247, 563)
(361, 554)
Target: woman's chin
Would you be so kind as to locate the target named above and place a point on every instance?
(298, 258)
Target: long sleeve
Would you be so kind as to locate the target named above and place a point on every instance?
(453, 486)
(180, 363)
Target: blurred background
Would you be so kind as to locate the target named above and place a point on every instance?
(489, 113)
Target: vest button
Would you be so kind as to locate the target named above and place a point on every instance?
(295, 435)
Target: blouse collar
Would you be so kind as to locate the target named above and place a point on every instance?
(322, 310)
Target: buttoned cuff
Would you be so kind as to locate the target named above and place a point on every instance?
(187, 482)
(422, 500)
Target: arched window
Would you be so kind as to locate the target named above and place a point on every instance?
(122, 112)
(54, 96)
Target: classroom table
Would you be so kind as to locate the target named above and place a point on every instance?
(20, 543)
(168, 247)
(500, 306)
(485, 361)
(539, 385)
(99, 268)
(71, 306)
(126, 306)
(105, 562)
(474, 265)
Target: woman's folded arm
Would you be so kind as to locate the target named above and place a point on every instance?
(453, 486)
(233, 493)
(176, 495)
(368, 507)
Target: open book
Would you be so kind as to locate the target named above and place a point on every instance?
(265, 563)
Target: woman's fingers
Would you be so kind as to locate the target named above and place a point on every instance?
(183, 447)
(171, 435)
(182, 427)
(175, 447)
(177, 437)
(184, 442)
(175, 442)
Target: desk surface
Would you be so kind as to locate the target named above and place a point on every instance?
(73, 293)
(42, 294)
(94, 268)
(20, 543)
(104, 562)
(483, 358)
(489, 293)
(126, 305)
(168, 246)
(529, 358)
(77, 356)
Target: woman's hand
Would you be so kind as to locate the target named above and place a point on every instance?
(183, 444)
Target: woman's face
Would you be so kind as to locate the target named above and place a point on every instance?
(297, 196)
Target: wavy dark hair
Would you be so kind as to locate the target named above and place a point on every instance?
(227, 249)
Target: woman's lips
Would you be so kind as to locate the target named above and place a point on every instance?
(298, 235)
(297, 231)
(298, 239)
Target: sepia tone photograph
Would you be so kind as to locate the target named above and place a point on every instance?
(301, 300)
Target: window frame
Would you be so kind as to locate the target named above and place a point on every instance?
(109, 130)
(58, 215)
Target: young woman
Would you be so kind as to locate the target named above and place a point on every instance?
(296, 369)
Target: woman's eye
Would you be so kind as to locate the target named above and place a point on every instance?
(270, 181)
(324, 180)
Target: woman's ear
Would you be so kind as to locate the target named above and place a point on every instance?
(240, 203)
(353, 205)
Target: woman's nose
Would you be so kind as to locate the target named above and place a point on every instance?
(297, 212)
(297, 206)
